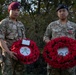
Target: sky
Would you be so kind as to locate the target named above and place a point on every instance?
(32, 6)
(26, 0)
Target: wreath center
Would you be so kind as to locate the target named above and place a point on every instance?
(63, 51)
(25, 51)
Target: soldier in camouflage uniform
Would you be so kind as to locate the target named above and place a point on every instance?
(10, 31)
(61, 27)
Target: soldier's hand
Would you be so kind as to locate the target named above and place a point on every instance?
(47, 40)
(12, 55)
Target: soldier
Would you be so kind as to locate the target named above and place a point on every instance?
(58, 28)
(10, 31)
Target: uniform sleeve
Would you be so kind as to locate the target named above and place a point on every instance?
(48, 32)
(2, 30)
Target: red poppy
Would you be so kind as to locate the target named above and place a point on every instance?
(27, 54)
(60, 52)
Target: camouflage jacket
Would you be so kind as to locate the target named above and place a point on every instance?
(11, 31)
(56, 29)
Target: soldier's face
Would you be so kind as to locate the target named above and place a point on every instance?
(14, 13)
(62, 13)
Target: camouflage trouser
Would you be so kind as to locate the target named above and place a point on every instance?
(19, 68)
(53, 71)
(12, 67)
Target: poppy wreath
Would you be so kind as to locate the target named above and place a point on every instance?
(29, 58)
(63, 60)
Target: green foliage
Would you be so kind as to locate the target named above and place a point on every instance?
(2, 2)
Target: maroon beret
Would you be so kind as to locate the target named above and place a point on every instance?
(14, 5)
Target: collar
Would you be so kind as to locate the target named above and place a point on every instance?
(10, 20)
(58, 22)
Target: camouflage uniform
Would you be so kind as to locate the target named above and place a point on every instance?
(56, 29)
(10, 32)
